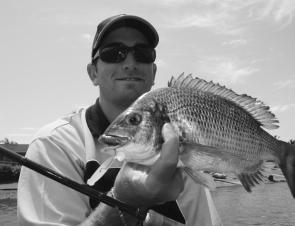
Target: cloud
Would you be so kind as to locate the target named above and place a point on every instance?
(29, 129)
(285, 84)
(231, 17)
(214, 19)
(283, 108)
(87, 37)
(23, 132)
(160, 62)
(226, 71)
(281, 11)
(22, 135)
(19, 135)
(172, 2)
(235, 42)
(21, 138)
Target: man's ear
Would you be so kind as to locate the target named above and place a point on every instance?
(92, 72)
(154, 72)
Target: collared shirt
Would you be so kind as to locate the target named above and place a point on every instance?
(67, 146)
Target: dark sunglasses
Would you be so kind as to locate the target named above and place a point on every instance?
(117, 52)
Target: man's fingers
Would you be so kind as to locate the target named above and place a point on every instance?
(165, 166)
(147, 185)
(171, 143)
(168, 132)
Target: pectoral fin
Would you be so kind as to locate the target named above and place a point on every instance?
(200, 148)
(201, 178)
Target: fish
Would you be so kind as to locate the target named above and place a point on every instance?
(219, 131)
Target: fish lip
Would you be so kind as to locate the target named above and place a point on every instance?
(113, 140)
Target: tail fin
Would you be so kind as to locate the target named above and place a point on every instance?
(287, 164)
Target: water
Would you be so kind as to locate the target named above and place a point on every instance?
(8, 208)
(269, 205)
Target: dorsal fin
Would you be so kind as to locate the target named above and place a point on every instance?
(254, 107)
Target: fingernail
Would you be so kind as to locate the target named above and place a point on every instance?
(168, 131)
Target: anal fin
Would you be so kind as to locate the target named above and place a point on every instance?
(249, 180)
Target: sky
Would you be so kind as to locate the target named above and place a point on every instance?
(246, 45)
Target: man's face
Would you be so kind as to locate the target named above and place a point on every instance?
(122, 83)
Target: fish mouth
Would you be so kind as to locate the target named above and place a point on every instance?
(113, 140)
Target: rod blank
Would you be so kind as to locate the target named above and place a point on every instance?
(82, 188)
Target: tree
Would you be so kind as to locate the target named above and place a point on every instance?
(7, 141)
(292, 141)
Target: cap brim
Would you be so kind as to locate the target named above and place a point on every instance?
(123, 20)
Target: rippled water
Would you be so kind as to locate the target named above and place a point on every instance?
(8, 208)
(269, 204)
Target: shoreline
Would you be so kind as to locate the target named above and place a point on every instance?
(9, 186)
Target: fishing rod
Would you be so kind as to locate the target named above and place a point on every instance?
(82, 188)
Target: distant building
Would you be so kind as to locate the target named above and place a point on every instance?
(17, 148)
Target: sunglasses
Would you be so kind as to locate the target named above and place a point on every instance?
(117, 52)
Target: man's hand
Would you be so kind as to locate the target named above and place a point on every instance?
(144, 186)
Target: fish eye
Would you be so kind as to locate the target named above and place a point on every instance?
(134, 119)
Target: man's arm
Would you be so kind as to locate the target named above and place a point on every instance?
(42, 201)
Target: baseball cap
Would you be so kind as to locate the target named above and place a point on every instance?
(123, 20)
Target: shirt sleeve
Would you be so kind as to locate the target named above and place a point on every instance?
(42, 201)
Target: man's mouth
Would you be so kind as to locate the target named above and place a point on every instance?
(130, 79)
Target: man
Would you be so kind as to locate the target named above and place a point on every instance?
(123, 67)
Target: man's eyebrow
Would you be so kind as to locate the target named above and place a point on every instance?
(121, 43)
(112, 44)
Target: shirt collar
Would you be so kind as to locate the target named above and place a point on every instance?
(96, 120)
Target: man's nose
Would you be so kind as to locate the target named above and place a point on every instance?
(129, 63)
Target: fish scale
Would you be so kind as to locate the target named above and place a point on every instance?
(219, 131)
(234, 136)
